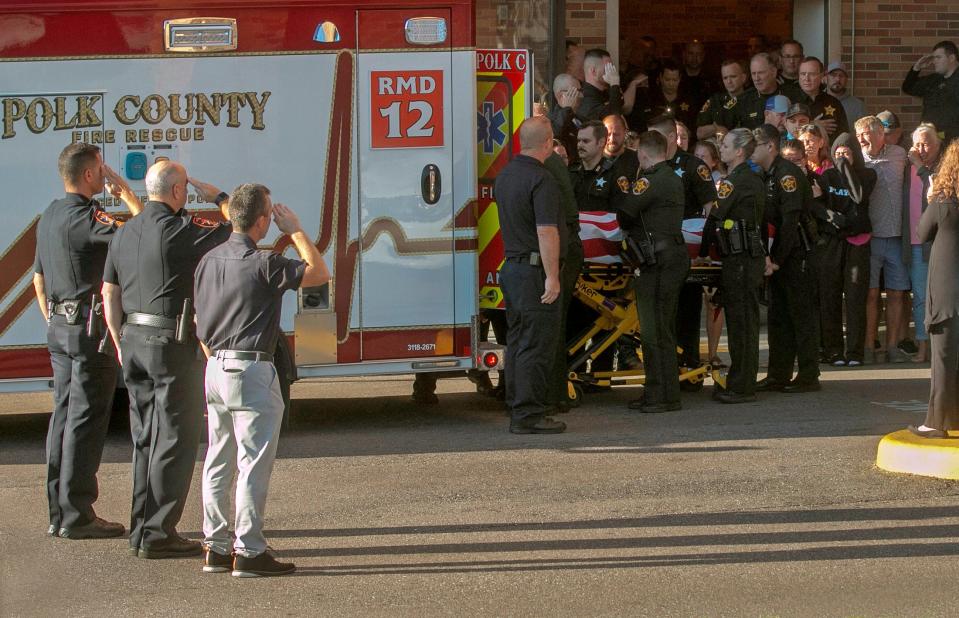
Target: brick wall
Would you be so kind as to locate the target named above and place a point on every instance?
(722, 25)
(586, 23)
(887, 41)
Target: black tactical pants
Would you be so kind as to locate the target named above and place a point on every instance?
(83, 384)
(531, 341)
(657, 295)
(689, 318)
(165, 381)
(829, 259)
(742, 278)
(793, 321)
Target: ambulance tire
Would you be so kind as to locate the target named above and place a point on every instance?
(286, 374)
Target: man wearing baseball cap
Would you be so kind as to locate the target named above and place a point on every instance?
(891, 127)
(776, 108)
(837, 81)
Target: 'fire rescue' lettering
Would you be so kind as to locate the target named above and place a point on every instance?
(78, 112)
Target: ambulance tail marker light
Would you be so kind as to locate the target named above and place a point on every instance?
(426, 30)
(200, 34)
(327, 32)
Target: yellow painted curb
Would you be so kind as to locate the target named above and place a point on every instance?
(903, 451)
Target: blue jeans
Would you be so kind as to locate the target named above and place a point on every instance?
(919, 273)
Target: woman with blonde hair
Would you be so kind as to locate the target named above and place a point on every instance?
(940, 225)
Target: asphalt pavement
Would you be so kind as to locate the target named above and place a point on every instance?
(390, 509)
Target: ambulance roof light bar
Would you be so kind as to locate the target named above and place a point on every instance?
(199, 34)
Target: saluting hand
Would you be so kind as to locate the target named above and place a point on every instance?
(567, 98)
(286, 219)
(610, 74)
(205, 190)
(922, 62)
(551, 292)
(116, 185)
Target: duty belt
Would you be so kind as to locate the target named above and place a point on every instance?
(244, 355)
(661, 244)
(148, 319)
(67, 307)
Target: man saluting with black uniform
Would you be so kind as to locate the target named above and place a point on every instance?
(72, 239)
(651, 212)
(148, 276)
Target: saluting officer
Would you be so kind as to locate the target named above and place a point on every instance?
(793, 312)
(699, 196)
(737, 215)
(239, 294)
(148, 276)
(72, 239)
(534, 242)
(651, 212)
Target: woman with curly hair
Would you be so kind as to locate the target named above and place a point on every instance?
(940, 224)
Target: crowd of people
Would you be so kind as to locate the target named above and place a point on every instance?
(815, 203)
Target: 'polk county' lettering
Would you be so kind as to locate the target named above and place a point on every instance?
(193, 108)
(41, 113)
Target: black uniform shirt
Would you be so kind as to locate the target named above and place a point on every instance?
(788, 195)
(719, 109)
(239, 292)
(741, 196)
(657, 195)
(940, 100)
(698, 186)
(526, 197)
(597, 104)
(153, 256)
(72, 239)
(683, 108)
(830, 108)
(751, 106)
(593, 187)
(558, 170)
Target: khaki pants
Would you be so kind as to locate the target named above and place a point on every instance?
(244, 413)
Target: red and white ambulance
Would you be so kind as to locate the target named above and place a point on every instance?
(362, 117)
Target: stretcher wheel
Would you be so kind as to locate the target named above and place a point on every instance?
(574, 394)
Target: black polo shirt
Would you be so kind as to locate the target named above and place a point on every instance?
(72, 239)
(239, 292)
(698, 187)
(153, 256)
(527, 196)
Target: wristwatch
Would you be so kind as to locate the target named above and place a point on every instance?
(222, 196)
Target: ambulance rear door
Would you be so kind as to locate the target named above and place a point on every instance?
(406, 209)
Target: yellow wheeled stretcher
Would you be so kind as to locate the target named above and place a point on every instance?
(608, 290)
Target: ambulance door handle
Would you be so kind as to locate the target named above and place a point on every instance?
(431, 184)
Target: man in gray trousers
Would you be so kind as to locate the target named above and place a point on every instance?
(239, 292)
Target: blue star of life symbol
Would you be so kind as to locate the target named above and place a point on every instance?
(488, 126)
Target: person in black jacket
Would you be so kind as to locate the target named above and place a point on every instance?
(939, 90)
(940, 224)
(842, 208)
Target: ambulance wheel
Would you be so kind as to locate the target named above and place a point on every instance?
(285, 374)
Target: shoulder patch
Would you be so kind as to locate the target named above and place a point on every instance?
(788, 183)
(640, 186)
(725, 189)
(623, 183)
(703, 172)
(731, 103)
(201, 222)
(705, 107)
(103, 218)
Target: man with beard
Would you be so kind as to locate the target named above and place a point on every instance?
(837, 81)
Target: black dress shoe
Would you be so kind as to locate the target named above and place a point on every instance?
(731, 397)
(659, 408)
(215, 562)
(805, 386)
(174, 547)
(543, 425)
(96, 529)
(927, 433)
(264, 565)
(770, 384)
(636, 404)
(52, 530)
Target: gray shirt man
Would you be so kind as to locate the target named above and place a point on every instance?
(885, 205)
